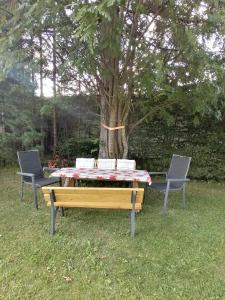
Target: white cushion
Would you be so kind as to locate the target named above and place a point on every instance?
(86, 163)
(108, 164)
(126, 164)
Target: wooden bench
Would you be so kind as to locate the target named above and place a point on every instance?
(93, 197)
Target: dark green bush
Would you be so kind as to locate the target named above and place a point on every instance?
(74, 147)
(153, 144)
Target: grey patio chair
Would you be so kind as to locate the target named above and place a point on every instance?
(32, 173)
(176, 178)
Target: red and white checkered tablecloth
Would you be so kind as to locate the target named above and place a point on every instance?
(102, 174)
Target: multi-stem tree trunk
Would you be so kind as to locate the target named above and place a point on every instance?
(103, 149)
(2, 122)
(113, 143)
(116, 89)
(54, 116)
(41, 90)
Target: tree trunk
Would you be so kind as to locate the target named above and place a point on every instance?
(54, 116)
(103, 142)
(113, 143)
(115, 93)
(41, 91)
(2, 125)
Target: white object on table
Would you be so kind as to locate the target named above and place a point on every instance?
(126, 164)
(86, 163)
(107, 164)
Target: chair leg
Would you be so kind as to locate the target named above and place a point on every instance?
(35, 195)
(165, 201)
(145, 192)
(184, 197)
(22, 186)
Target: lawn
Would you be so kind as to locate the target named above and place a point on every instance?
(92, 255)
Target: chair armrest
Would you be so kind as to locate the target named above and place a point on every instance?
(50, 169)
(178, 180)
(158, 173)
(25, 174)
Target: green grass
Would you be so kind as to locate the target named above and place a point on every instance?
(93, 257)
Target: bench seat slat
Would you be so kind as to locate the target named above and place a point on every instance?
(117, 198)
(85, 190)
(111, 205)
(80, 189)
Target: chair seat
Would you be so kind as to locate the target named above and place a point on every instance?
(40, 182)
(161, 186)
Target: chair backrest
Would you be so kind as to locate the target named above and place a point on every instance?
(179, 167)
(109, 164)
(86, 163)
(30, 162)
(126, 164)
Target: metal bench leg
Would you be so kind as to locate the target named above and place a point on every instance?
(53, 213)
(53, 219)
(132, 223)
(132, 214)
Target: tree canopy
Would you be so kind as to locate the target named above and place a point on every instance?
(145, 56)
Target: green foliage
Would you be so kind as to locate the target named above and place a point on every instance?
(19, 122)
(157, 57)
(172, 53)
(153, 144)
(73, 147)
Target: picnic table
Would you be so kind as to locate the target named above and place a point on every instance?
(73, 174)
